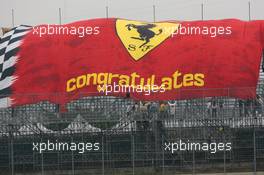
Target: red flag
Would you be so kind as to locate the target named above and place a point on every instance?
(167, 60)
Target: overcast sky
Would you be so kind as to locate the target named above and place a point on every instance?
(34, 12)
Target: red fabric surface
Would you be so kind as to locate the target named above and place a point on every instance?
(230, 63)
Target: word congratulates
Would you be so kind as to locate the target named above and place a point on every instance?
(175, 81)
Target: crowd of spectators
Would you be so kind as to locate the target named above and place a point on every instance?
(214, 108)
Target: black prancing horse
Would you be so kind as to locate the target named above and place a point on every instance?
(145, 34)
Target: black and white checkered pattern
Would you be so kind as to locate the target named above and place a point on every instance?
(9, 47)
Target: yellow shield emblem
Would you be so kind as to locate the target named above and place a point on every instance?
(139, 38)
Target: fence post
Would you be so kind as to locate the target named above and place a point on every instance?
(193, 167)
(133, 151)
(11, 136)
(254, 143)
(163, 156)
(103, 165)
(224, 155)
(12, 151)
(42, 162)
(72, 154)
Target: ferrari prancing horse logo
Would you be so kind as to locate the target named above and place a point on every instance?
(139, 37)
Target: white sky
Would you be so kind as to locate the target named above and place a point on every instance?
(34, 12)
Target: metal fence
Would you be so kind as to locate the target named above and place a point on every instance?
(133, 136)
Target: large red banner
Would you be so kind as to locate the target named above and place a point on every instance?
(152, 61)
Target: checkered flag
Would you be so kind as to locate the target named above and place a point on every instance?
(9, 47)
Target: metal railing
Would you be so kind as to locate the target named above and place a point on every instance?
(132, 136)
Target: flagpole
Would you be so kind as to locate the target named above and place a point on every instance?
(202, 11)
(60, 16)
(13, 18)
(249, 11)
(154, 13)
(107, 12)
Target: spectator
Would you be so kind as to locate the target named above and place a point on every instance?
(134, 107)
(137, 106)
(163, 110)
(153, 108)
(221, 106)
(143, 107)
(257, 106)
(241, 107)
(214, 109)
(208, 107)
(130, 109)
(248, 104)
(128, 95)
(172, 107)
(143, 110)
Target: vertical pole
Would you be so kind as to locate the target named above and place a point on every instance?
(249, 11)
(58, 160)
(224, 156)
(202, 11)
(224, 161)
(33, 155)
(11, 129)
(107, 11)
(193, 172)
(13, 18)
(103, 166)
(255, 157)
(12, 152)
(72, 159)
(42, 162)
(154, 13)
(163, 156)
(60, 16)
(133, 152)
